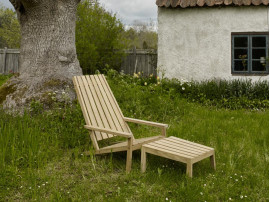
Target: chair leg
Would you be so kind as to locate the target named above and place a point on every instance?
(143, 160)
(189, 169)
(213, 161)
(129, 156)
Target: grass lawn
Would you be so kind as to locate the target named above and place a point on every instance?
(42, 156)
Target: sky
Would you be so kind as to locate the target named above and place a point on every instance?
(127, 11)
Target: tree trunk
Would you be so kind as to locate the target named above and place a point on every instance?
(48, 58)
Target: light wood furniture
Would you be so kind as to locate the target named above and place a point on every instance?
(179, 150)
(104, 118)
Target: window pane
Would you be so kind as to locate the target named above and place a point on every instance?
(258, 66)
(240, 53)
(240, 42)
(258, 53)
(259, 41)
(240, 65)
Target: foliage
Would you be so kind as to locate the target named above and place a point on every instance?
(141, 35)
(98, 36)
(9, 29)
(4, 78)
(43, 158)
(235, 94)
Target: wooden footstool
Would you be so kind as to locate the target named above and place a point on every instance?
(179, 150)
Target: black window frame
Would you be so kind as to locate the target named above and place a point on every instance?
(249, 35)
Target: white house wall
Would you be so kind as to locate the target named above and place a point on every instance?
(195, 43)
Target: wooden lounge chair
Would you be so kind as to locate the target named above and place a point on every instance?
(104, 118)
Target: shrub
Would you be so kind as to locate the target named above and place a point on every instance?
(98, 35)
(235, 94)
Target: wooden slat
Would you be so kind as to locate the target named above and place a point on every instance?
(123, 145)
(107, 116)
(193, 143)
(149, 123)
(167, 154)
(114, 103)
(84, 110)
(181, 148)
(123, 134)
(190, 146)
(98, 112)
(113, 119)
(201, 157)
(89, 107)
(170, 150)
(174, 148)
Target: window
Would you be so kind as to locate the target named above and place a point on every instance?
(250, 53)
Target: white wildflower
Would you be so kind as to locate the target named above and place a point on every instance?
(230, 199)
(183, 88)
(236, 180)
(241, 196)
(204, 185)
(201, 193)
(167, 199)
(145, 83)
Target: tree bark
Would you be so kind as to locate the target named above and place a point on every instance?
(48, 58)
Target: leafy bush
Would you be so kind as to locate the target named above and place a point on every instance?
(235, 94)
(9, 28)
(98, 35)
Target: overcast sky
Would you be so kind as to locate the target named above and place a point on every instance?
(126, 10)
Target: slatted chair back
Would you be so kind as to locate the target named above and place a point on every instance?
(99, 106)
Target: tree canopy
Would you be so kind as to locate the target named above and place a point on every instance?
(99, 37)
(9, 29)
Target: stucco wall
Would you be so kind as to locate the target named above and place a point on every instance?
(195, 43)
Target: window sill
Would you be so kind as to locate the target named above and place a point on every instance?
(250, 74)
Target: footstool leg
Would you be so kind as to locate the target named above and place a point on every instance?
(189, 169)
(143, 160)
(213, 161)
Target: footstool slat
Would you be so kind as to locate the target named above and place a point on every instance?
(191, 143)
(190, 146)
(184, 148)
(165, 153)
(179, 150)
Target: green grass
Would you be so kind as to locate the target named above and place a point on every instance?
(4, 78)
(42, 157)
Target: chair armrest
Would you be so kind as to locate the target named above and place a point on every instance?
(113, 132)
(149, 123)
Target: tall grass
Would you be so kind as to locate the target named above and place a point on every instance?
(42, 156)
